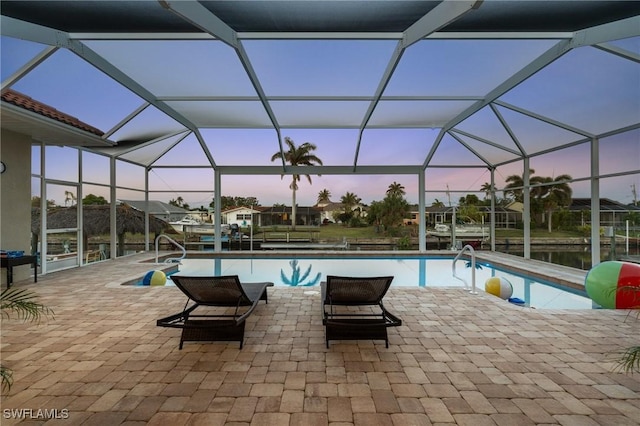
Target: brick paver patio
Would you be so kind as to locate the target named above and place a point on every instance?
(457, 359)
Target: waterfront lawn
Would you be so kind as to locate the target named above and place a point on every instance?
(336, 232)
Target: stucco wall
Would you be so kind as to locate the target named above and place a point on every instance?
(15, 199)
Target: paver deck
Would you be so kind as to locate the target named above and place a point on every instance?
(457, 359)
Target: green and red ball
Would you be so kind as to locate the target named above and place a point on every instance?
(614, 285)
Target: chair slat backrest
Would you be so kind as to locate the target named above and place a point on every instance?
(213, 291)
(356, 290)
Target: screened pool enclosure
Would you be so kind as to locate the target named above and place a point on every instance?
(191, 99)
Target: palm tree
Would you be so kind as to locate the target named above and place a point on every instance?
(297, 156)
(394, 207)
(396, 190)
(546, 195)
(350, 200)
(324, 196)
(515, 185)
(554, 195)
(437, 203)
(178, 202)
(486, 188)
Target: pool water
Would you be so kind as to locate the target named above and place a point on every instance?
(423, 272)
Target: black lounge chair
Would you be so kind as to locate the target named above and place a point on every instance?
(351, 322)
(224, 291)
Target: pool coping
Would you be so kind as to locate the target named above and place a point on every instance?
(555, 274)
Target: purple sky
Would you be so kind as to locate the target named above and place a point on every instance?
(576, 89)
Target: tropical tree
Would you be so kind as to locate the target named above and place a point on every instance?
(349, 202)
(515, 185)
(92, 200)
(324, 196)
(394, 208)
(297, 156)
(374, 215)
(486, 188)
(469, 200)
(437, 203)
(227, 202)
(514, 190)
(396, 190)
(469, 211)
(178, 202)
(556, 193)
(633, 218)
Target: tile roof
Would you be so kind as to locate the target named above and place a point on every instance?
(155, 207)
(605, 205)
(23, 101)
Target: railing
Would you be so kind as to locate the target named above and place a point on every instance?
(171, 240)
(473, 268)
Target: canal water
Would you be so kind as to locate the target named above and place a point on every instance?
(567, 255)
(575, 257)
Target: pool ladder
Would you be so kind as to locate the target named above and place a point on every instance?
(472, 253)
(172, 241)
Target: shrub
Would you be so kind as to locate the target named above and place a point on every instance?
(404, 243)
(355, 222)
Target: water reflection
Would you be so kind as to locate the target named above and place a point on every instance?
(579, 258)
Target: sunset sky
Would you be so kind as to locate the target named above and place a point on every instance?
(575, 89)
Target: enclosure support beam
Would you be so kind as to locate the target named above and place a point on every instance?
(146, 209)
(526, 214)
(112, 209)
(492, 229)
(217, 216)
(595, 201)
(422, 232)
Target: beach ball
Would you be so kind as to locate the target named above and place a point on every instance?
(499, 286)
(614, 284)
(154, 278)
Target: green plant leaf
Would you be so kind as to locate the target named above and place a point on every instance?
(22, 303)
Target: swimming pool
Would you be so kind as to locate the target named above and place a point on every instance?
(407, 272)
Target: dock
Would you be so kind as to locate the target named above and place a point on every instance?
(343, 245)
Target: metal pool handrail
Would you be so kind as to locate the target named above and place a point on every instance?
(171, 240)
(473, 267)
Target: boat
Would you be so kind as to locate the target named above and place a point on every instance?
(462, 232)
(179, 225)
(192, 226)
